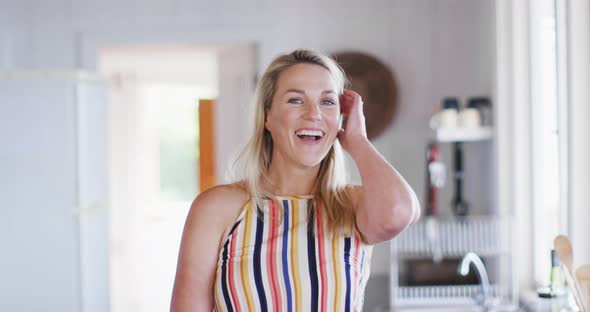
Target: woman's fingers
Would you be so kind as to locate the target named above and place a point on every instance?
(352, 109)
(350, 101)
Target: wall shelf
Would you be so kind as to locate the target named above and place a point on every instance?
(463, 134)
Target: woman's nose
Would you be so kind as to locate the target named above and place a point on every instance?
(313, 111)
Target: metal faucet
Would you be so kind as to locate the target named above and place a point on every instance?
(481, 273)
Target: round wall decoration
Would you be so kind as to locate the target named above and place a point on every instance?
(374, 81)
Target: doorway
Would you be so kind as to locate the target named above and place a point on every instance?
(164, 136)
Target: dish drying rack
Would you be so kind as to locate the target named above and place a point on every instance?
(487, 236)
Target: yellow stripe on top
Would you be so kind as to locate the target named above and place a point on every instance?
(295, 271)
(244, 266)
(217, 295)
(336, 263)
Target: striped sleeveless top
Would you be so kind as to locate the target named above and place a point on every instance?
(291, 266)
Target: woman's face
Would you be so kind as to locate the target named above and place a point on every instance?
(304, 116)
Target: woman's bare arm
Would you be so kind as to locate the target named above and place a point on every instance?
(208, 218)
(385, 203)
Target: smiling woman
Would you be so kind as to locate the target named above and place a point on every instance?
(303, 119)
(292, 234)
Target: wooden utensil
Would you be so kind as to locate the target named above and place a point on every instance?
(583, 276)
(563, 248)
(574, 287)
(583, 272)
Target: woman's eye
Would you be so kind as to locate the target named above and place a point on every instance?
(295, 101)
(329, 102)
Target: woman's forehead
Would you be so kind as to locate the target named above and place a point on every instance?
(306, 77)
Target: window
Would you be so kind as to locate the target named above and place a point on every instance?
(547, 139)
(543, 71)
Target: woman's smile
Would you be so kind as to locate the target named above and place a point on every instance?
(310, 135)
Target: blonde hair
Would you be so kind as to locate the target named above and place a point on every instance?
(330, 193)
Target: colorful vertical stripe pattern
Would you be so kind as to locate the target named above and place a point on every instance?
(273, 259)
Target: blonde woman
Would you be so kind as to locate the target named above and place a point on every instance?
(292, 235)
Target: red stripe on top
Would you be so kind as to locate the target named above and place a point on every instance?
(322, 258)
(230, 269)
(271, 257)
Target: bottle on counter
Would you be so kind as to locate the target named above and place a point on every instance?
(556, 279)
(555, 297)
(556, 286)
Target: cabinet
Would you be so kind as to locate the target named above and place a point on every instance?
(54, 185)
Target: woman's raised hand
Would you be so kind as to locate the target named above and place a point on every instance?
(354, 132)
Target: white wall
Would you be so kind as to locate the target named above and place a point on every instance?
(435, 48)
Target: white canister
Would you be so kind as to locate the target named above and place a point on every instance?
(447, 117)
(469, 118)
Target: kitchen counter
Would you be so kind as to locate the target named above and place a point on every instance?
(532, 302)
(445, 305)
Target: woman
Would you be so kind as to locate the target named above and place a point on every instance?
(292, 235)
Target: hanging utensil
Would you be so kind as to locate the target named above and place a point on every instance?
(435, 179)
(460, 206)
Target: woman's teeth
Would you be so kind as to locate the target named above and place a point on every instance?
(309, 135)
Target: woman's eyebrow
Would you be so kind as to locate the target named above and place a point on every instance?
(295, 91)
(303, 92)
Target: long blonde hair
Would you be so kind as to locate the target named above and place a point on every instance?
(330, 193)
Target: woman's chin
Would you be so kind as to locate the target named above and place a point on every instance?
(310, 162)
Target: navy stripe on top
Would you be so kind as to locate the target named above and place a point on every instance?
(347, 270)
(311, 259)
(257, 262)
(285, 256)
(224, 279)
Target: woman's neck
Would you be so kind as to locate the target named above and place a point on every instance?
(291, 180)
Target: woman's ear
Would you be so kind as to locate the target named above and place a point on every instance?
(266, 120)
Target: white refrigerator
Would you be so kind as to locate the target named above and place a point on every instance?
(54, 216)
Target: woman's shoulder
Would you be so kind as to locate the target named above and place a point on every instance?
(218, 207)
(222, 197)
